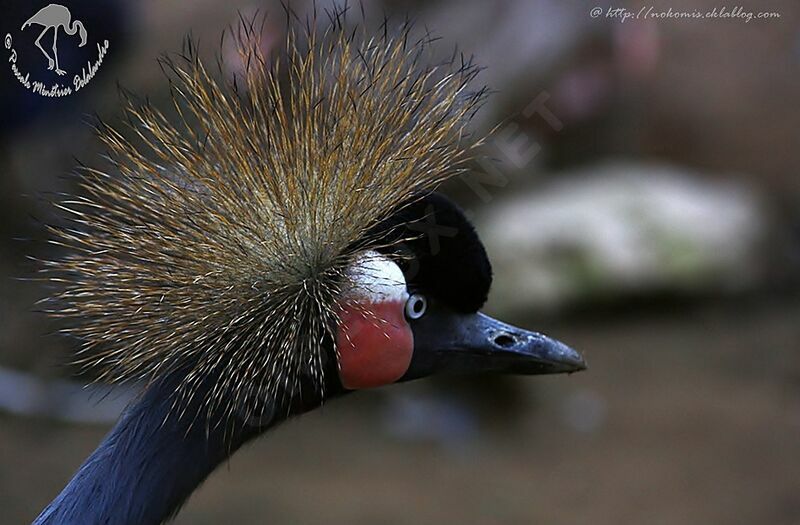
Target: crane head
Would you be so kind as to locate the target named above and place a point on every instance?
(413, 308)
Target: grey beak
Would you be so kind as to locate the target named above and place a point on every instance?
(475, 343)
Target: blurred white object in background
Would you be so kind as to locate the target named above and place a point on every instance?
(621, 228)
(25, 394)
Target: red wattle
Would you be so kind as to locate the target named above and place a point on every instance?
(374, 344)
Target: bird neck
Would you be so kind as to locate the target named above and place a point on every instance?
(151, 461)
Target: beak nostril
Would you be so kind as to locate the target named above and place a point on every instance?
(504, 340)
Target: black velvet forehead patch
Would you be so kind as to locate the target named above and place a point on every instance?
(439, 251)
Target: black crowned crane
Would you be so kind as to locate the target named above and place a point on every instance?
(271, 251)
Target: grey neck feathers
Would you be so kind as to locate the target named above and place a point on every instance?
(145, 468)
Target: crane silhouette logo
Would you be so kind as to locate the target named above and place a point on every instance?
(54, 17)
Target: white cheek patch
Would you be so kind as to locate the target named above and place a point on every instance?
(375, 279)
(374, 343)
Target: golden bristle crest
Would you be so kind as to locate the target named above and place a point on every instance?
(218, 241)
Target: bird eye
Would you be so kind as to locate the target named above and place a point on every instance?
(416, 306)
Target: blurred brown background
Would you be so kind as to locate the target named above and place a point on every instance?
(643, 205)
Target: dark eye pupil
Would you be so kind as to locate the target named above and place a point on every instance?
(417, 306)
